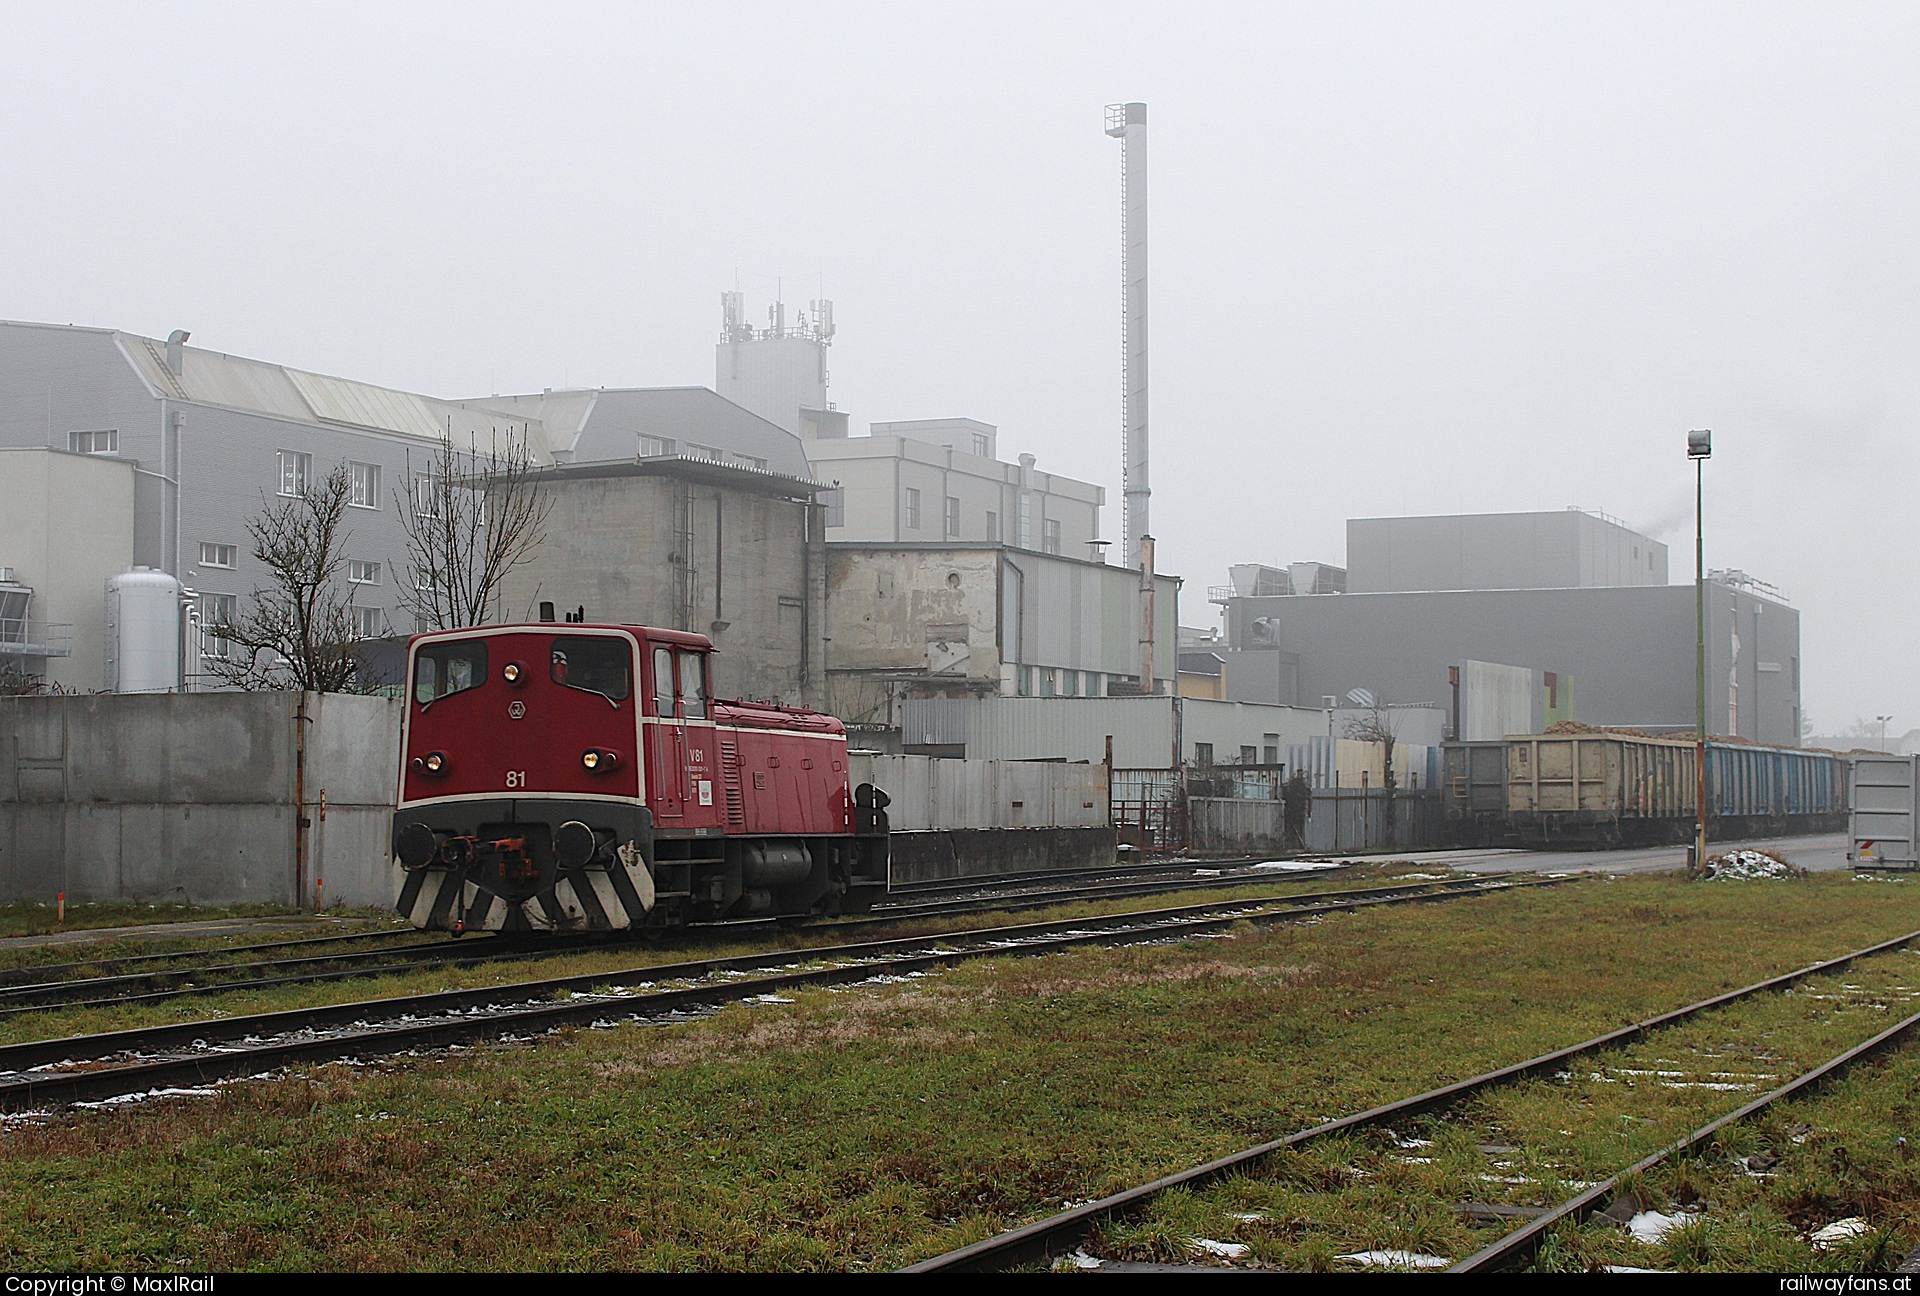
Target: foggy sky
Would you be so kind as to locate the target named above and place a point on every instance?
(1405, 258)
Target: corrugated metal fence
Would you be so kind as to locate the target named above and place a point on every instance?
(931, 793)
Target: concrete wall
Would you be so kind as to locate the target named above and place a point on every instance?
(982, 852)
(189, 798)
(68, 563)
(1630, 650)
(930, 793)
(613, 546)
(1483, 551)
(1144, 729)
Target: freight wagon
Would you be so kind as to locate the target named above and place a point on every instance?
(1473, 793)
(1602, 789)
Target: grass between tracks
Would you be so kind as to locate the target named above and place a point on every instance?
(610, 957)
(1536, 1143)
(867, 1126)
(35, 919)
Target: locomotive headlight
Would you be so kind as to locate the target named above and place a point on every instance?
(591, 760)
(511, 672)
(434, 762)
(598, 760)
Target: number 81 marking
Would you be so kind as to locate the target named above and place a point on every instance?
(516, 778)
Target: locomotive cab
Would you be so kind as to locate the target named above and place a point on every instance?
(584, 778)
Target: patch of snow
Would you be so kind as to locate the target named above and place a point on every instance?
(766, 999)
(1292, 866)
(1748, 865)
(1247, 1217)
(1652, 1226)
(1397, 1260)
(1839, 1231)
(1206, 873)
(1081, 1260)
(1225, 1250)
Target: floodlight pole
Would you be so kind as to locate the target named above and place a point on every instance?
(1700, 449)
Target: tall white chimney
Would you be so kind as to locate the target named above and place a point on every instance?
(1128, 124)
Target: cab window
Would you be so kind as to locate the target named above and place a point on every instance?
(593, 665)
(663, 683)
(693, 684)
(449, 667)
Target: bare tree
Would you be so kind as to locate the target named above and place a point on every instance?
(1375, 725)
(300, 632)
(471, 519)
(17, 681)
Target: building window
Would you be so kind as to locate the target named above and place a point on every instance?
(953, 517)
(653, 447)
(103, 441)
(217, 610)
(1052, 540)
(217, 555)
(913, 509)
(835, 501)
(1248, 756)
(993, 526)
(704, 452)
(1023, 681)
(427, 490)
(295, 471)
(1047, 684)
(1203, 754)
(752, 462)
(363, 485)
(981, 446)
(362, 573)
(369, 623)
(1069, 683)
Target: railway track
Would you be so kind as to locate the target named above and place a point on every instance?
(92, 1067)
(1121, 872)
(1426, 1148)
(137, 981)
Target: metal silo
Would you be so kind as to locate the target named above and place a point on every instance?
(143, 632)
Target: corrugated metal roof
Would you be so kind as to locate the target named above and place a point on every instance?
(341, 400)
(258, 386)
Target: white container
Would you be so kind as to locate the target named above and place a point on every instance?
(143, 632)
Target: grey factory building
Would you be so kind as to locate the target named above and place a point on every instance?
(184, 445)
(1625, 638)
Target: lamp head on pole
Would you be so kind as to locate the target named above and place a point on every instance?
(1700, 444)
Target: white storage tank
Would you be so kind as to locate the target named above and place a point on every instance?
(143, 632)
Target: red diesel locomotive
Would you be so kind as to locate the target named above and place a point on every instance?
(582, 778)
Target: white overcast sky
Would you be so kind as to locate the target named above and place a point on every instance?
(1405, 258)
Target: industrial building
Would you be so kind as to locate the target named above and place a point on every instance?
(958, 620)
(54, 573)
(138, 452)
(1569, 549)
(936, 481)
(688, 544)
(207, 441)
(1623, 638)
